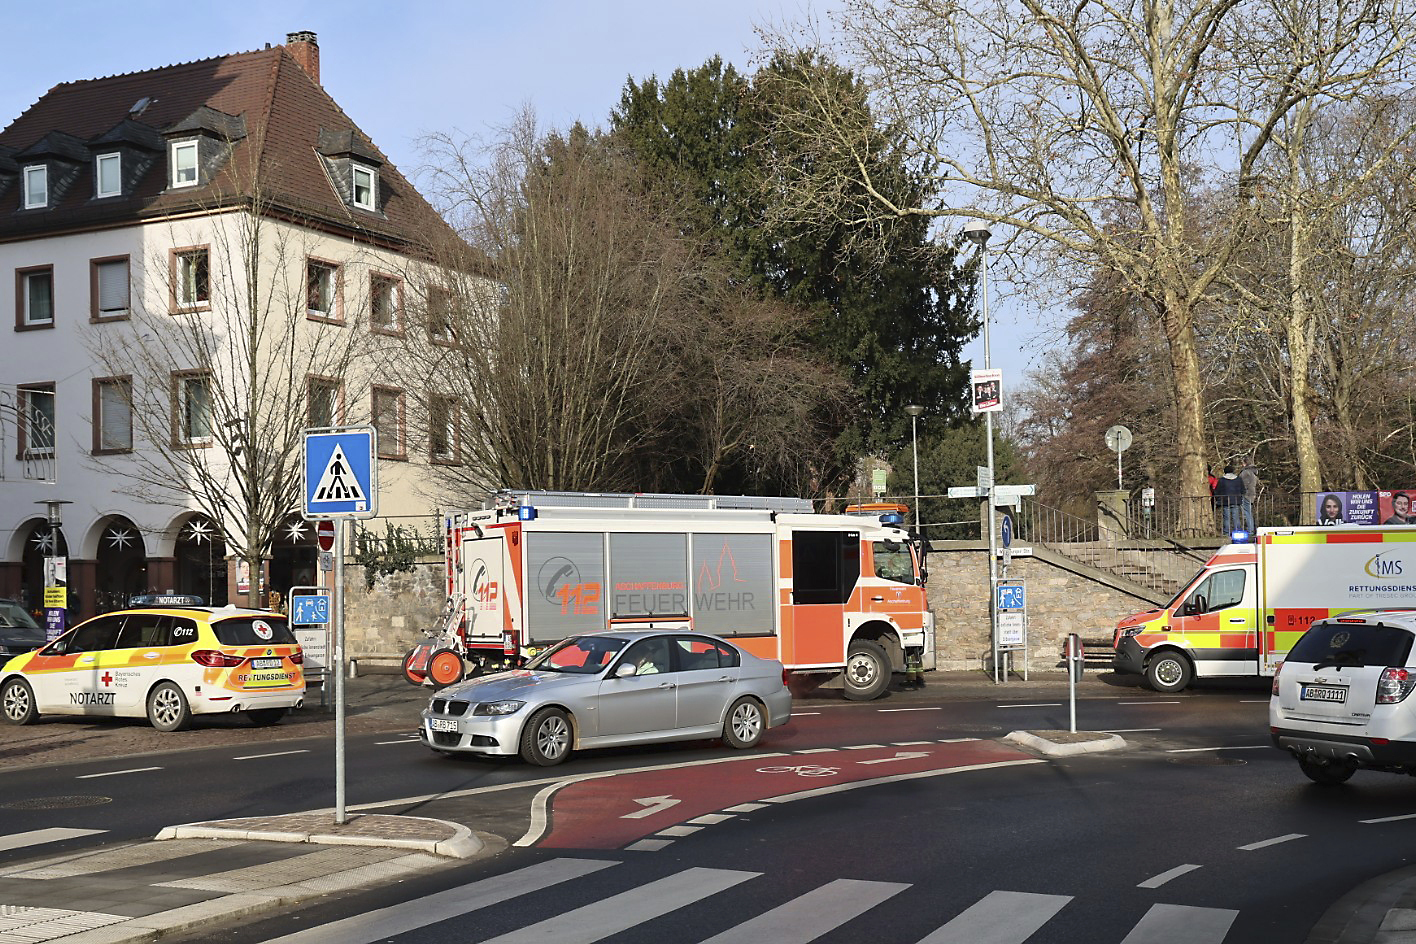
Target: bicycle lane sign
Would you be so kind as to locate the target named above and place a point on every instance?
(608, 812)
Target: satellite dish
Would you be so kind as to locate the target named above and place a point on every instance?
(1118, 439)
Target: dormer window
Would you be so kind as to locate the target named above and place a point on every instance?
(365, 186)
(36, 187)
(108, 175)
(184, 163)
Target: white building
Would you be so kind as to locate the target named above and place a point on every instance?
(207, 258)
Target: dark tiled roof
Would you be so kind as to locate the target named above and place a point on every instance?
(286, 117)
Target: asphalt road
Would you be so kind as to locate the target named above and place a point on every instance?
(898, 820)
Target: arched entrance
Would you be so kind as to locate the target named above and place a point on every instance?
(200, 561)
(120, 565)
(294, 557)
(39, 544)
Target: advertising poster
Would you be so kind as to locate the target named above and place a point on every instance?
(987, 387)
(1382, 507)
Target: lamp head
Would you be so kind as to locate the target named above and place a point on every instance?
(977, 231)
(913, 410)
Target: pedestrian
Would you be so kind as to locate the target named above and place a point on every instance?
(1229, 495)
(1249, 475)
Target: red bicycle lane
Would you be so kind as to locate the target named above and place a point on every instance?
(612, 812)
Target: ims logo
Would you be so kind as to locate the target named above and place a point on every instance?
(1380, 566)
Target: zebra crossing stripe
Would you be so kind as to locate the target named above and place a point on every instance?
(1000, 918)
(623, 911)
(37, 837)
(1182, 924)
(412, 915)
(809, 916)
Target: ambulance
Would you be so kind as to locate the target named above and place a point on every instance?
(824, 594)
(1250, 603)
(166, 662)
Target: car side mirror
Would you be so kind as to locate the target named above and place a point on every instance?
(626, 670)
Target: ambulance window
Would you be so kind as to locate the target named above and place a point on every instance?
(96, 635)
(183, 631)
(141, 630)
(893, 561)
(1220, 590)
(254, 631)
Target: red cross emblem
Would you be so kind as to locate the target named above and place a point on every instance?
(107, 679)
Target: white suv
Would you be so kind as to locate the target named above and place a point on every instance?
(1340, 696)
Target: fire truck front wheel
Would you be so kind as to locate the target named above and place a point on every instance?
(867, 670)
(1169, 671)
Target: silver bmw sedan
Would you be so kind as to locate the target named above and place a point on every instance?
(612, 689)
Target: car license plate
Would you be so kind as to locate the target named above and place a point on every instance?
(443, 724)
(1324, 693)
(265, 663)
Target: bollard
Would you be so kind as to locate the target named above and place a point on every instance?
(1073, 660)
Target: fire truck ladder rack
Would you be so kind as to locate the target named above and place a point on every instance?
(507, 498)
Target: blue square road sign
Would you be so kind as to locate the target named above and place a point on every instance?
(341, 473)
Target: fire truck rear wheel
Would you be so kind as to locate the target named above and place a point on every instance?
(1169, 672)
(743, 729)
(1326, 774)
(445, 667)
(867, 671)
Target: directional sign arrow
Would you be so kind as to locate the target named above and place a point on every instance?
(651, 806)
(899, 755)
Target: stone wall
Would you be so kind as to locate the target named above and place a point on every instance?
(1061, 598)
(386, 621)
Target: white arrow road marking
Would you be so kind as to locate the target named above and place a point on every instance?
(651, 806)
(899, 755)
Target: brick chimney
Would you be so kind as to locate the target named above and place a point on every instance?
(305, 47)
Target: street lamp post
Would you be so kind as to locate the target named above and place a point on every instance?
(977, 232)
(914, 412)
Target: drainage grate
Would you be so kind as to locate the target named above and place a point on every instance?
(56, 803)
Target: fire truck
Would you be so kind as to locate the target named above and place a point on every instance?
(825, 594)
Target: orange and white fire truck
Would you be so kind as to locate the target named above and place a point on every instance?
(825, 594)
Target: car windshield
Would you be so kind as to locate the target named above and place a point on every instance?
(254, 631)
(12, 614)
(580, 655)
(1363, 644)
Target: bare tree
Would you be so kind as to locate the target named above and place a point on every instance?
(226, 329)
(1086, 130)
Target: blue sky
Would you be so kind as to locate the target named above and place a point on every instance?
(402, 71)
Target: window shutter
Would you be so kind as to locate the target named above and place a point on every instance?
(113, 287)
(116, 431)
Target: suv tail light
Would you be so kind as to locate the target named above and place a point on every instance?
(216, 660)
(1276, 669)
(297, 657)
(1395, 684)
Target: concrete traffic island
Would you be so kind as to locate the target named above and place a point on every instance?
(1066, 743)
(361, 829)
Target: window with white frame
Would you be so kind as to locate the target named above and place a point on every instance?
(108, 175)
(385, 304)
(388, 422)
(112, 414)
(322, 289)
(36, 421)
(443, 429)
(191, 277)
(109, 288)
(193, 420)
(36, 187)
(365, 185)
(34, 297)
(325, 401)
(183, 157)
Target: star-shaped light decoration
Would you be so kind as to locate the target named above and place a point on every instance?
(43, 542)
(199, 530)
(121, 538)
(296, 530)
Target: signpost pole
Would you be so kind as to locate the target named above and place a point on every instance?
(341, 816)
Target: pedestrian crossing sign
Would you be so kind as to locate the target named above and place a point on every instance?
(341, 473)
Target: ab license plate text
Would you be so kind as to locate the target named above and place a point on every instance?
(1324, 693)
(442, 724)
